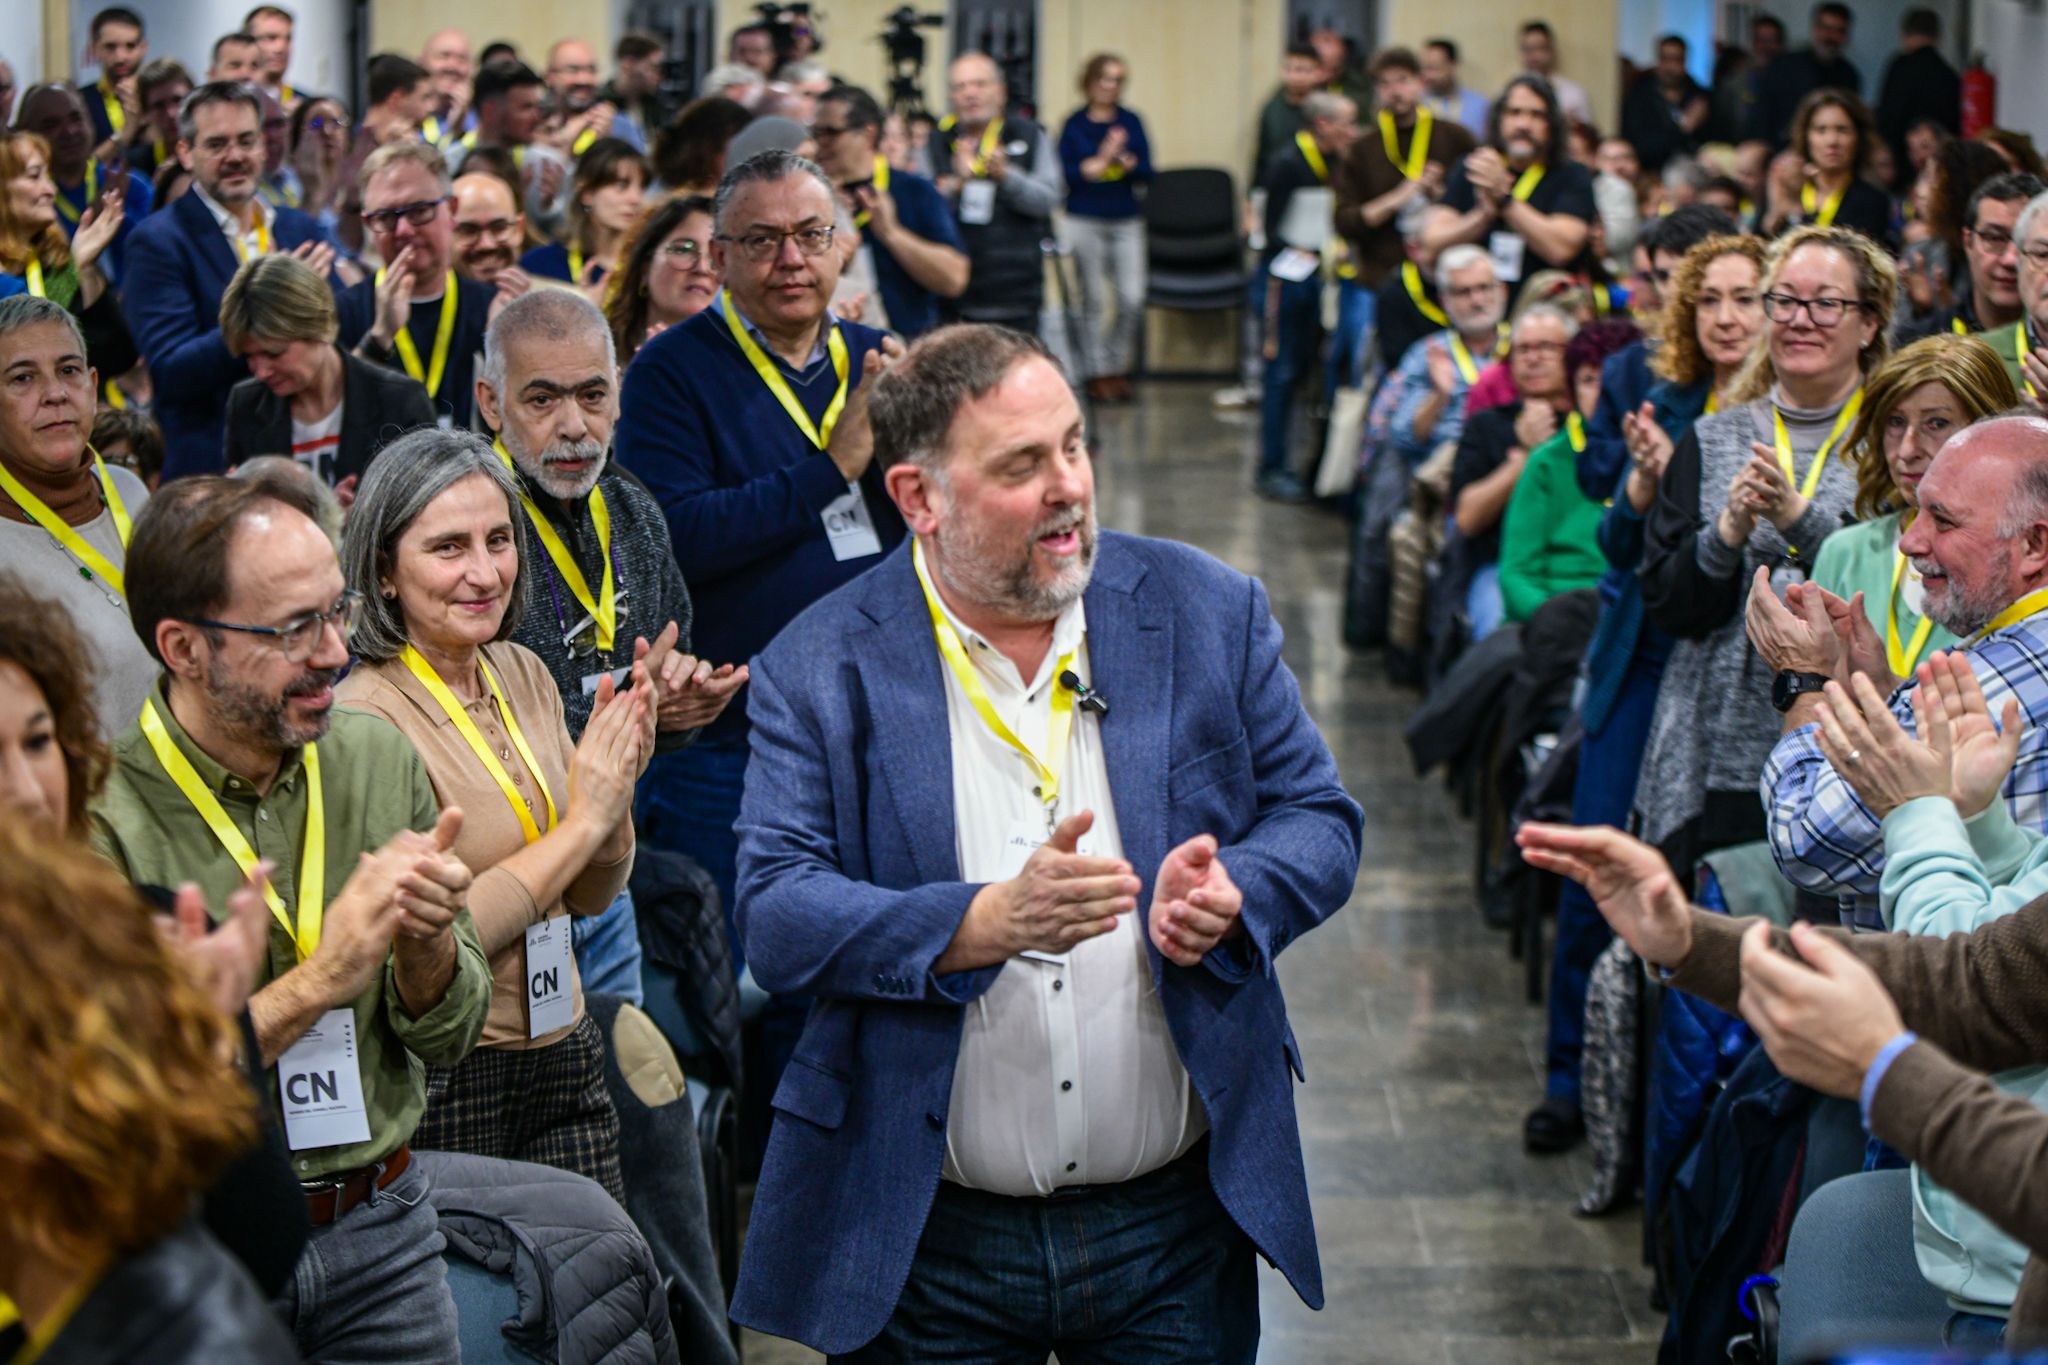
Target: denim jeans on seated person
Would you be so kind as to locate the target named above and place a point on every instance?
(1140, 1273)
(1485, 608)
(607, 948)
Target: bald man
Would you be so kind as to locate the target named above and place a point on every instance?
(579, 117)
(1004, 182)
(490, 232)
(449, 63)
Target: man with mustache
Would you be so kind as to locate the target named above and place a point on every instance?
(372, 968)
(180, 262)
(549, 390)
(1039, 923)
(490, 233)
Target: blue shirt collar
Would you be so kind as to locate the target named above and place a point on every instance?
(818, 348)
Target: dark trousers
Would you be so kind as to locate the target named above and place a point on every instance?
(1298, 335)
(1140, 1273)
(1603, 794)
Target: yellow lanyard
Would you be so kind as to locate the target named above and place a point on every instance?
(409, 354)
(312, 858)
(2022, 347)
(1418, 148)
(1463, 357)
(1603, 302)
(1826, 214)
(1902, 657)
(1411, 280)
(92, 192)
(1956, 325)
(881, 183)
(2035, 601)
(1575, 432)
(1528, 181)
(430, 128)
(34, 276)
(1314, 156)
(1713, 404)
(1820, 457)
(262, 230)
(466, 727)
(583, 141)
(61, 1313)
(111, 393)
(777, 385)
(91, 558)
(991, 137)
(604, 610)
(117, 117)
(1047, 769)
(576, 265)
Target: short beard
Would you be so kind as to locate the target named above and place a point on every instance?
(1963, 612)
(259, 717)
(542, 470)
(972, 567)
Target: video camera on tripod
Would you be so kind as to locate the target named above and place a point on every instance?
(906, 48)
(793, 28)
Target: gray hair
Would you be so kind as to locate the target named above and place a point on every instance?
(406, 152)
(1687, 172)
(1460, 257)
(914, 403)
(284, 469)
(27, 310)
(2023, 227)
(802, 73)
(1322, 104)
(406, 476)
(760, 169)
(216, 92)
(1544, 310)
(546, 315)
(730, 74)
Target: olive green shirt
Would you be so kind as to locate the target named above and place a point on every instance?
(373, 785)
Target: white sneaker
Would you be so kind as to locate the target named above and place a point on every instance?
(1239, 396)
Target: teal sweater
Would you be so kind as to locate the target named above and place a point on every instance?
(1861, 558)
(1549, 535)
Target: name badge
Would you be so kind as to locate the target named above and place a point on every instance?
(320, 1084)
(618, 676)
(978, 202)
(1507, 251)
(550, 970)
(446, 421)
(1295, 265)
(849, 528)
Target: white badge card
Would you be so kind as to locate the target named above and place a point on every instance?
(1507, 250)
(320, 1082)
(978, 202)
(550, 970)
(618, 676)
(1295, 265)
(849, 528)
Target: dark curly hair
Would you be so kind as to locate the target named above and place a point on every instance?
(36, 636)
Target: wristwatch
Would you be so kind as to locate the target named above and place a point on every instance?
(1790, 685)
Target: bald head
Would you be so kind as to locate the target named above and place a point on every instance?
(447, 59)
(1981, 541)
(490, 231)
(975, 84)
(572, 74)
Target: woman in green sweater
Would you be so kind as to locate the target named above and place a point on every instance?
(1549, 533)
(1912, 403)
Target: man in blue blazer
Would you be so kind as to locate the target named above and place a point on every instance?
(1041, 1102)
(182, 257)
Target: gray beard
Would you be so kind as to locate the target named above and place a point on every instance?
(541, 470)
(970, 568)
(259, 716)
(1962, 614)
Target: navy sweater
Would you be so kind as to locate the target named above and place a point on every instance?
(1082, 138)
(743, 489)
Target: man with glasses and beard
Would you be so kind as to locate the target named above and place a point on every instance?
(606, 576)
(1040, 923)
(1989, 299)
(490, 233)
(373, 969)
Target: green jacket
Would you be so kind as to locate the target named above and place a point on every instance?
(1549, 535)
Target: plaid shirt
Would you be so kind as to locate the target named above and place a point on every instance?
(1827, 841)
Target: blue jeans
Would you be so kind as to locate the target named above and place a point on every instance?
(608, 951)
(1484, 606)
(1298, 330)
(688, 802)
(1141, 1273)
(1602, 795)
(1358, 312)
(370, 1287)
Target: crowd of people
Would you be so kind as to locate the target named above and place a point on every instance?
(484, 579)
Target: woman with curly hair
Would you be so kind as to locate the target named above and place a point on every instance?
(1821, 178)
(665, 273)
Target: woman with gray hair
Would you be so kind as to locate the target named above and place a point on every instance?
(436, 544)
(307, 398)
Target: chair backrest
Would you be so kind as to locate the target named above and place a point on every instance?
(1191, 202)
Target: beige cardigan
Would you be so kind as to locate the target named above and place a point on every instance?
(501, 904)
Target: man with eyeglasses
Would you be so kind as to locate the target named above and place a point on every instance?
(180, 262)
(2023, 342)
(906, 228)
(161, 88)
(417, 314)
(606, 575)
(372, 970)
(580, 117)
(490, 233)
(1993, 298)
(749, 424)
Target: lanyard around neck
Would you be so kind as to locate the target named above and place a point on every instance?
(1526, 183)
(819, 434)
(1823, 214)
(1411, 280)
(881, 184)
(1466, 366)
(88, 556)
(1575, 432)
(2022, 347)
(1418, 146)
(305, 935)
(409, 354)
(2033, 602)
(991, 138)
(262, 230)
(954, 652)
(1820, 457)
(117, 116)
(34, 277)
(1903, 657)
(92, 192)
(466, 727)
(604, 608)
(1314, 156)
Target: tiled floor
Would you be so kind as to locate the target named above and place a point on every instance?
(1441, 1241)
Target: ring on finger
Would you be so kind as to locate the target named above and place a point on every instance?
(1853, 757)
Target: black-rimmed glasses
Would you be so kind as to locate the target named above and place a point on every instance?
(766, 246)
(1825, 313)
(298, 638)
(419, 214)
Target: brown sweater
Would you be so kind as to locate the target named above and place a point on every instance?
(1977, 1001)
(1364, 173)
(501, 904)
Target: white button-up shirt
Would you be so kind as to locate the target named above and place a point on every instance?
(262, 226)
(1067, 1074)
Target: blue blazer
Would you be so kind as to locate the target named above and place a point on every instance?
(849, 890)
(178, 266)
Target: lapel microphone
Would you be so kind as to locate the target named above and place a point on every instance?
(1088, 698)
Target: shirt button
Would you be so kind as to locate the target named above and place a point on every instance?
(1058, 984)
(262, 815)
(1066, 1085)
(1071, 1166)
(305, 1165)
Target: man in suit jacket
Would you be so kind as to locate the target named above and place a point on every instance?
(1040, 983)
(180, 262)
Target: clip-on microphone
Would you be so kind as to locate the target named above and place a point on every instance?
(1088, 698)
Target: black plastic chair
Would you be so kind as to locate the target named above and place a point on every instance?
(1194, 253)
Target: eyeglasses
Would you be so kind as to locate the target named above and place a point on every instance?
(300, 637)
(494, 227)
(419, 214)
(1824, 313)
(766, 246)
(825, 130)
(686, 255)
(320, 123)
(2036, 254)
(1471, 291)
(1539, 348)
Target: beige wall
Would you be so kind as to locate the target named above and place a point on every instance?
(1485, 33)
(405, 25)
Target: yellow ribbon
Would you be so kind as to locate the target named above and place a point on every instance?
(777, 385)
(1902, 657)
(1820, 457)
(117, 117)
(2022, 347)
(92, 192)
(1411, 280)
(1526, 183)
(955, 653)
(305, 935)
(604, 609)
(1314, 156)
(65, 536)
(881, 183)
(1808, 200)
(2035, 601)
(1418, 148)
(409, 354)
(466, 727)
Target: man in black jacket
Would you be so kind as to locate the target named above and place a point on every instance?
(1004, 181)
(1919, 86)
(1794, 75)
(1665, 108)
